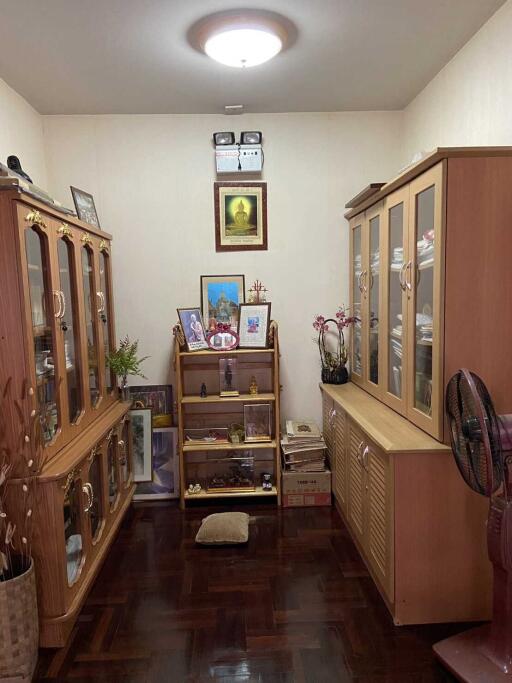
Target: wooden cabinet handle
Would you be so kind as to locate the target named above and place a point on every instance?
(56, 296)
(87, 489)
(408, 269)
(401, 276)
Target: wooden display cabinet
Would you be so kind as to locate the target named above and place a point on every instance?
(196, 460)
(56, 327)
(423, 249)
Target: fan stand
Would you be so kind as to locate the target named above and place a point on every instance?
(484, 654)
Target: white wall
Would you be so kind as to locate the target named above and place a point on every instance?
(470, 101)
(21, 134)
(152, 179)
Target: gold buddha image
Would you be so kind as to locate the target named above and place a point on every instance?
(238, 214)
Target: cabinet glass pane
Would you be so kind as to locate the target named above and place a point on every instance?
(374, 286)
(90, 323)
(357, 366)
(124, 459)
(73, 531)
(425, 204)
(41, 303)
(96, 512)
(395, 320)
(105, 314)
(69, 326)
(113, 486)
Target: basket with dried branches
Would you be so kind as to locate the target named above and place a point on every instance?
(22, 457)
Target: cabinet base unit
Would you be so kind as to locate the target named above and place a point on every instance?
(419, 529)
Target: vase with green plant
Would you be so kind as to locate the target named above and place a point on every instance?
(124, 361)
(330, 333)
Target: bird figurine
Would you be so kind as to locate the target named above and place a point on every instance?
(14, 164)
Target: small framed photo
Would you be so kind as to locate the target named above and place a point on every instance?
(240, 216)
(228, 377)
(253, 326)
(84, 205)
(142, 444)
(166, 476)
(193, 329)
(257, 422)
(220, 297)
(158, 397)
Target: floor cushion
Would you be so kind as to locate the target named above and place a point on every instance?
(224, 528)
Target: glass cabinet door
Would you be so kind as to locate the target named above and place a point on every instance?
(91, 327)
(68, 321)
(45, 306)
(113, 473)
(423, 282)
(73, 530)
(95, 486)
(358, 275)
(106, 314)
(125, 464)
(371, 290)
(395, 323)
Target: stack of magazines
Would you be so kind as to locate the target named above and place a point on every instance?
(303, 447)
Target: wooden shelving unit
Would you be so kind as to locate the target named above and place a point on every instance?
(192, 368)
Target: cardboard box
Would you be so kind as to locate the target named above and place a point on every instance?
(303, 489)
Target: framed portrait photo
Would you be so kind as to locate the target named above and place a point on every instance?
(158, 397)
(84, 205)
(142, 444)
(193, 328)
(240, 216)
(166, 478)
(220, 298)
(253, 326)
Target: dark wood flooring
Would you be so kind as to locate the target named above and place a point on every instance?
(295, 605)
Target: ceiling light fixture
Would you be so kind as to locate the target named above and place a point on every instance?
(242, 38)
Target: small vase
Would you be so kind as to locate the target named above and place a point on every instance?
(125, 392)
(19, 627)
(338, 376)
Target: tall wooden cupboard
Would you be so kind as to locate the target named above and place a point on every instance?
(56, 325)
(431, 288)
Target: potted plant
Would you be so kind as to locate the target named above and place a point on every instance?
(21, 462)
(334, 361)
(124, 362)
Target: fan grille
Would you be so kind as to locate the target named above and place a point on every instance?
(475, 434)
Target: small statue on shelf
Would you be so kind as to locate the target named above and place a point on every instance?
(194, 488)
(253, 389)
(228, 376)
(266, 482)
(203, 392)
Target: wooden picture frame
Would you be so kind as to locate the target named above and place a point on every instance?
(255, 334)
(165, 483)
(85, 207)
(191, 322)
(219, 309)
(240, 216)
(142, 444)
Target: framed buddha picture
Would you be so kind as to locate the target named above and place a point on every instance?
(240, 216)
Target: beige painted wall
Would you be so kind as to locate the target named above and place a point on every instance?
(152, 178)
(21, 134)
(470, 101)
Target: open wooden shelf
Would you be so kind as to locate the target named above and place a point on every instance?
(203, 495)
(215, 398)
(225, 352)
(197, 448)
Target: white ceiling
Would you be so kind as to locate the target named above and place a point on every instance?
(132, 56)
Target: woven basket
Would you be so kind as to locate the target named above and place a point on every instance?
(19, 628)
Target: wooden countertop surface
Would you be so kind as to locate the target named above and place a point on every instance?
(389, 430)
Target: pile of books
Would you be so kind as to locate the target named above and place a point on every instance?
(303, 447)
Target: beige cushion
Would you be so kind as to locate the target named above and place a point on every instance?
(223, 528)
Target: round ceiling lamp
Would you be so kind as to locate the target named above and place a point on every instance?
(241, 38)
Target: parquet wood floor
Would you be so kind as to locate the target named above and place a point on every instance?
(295, 605)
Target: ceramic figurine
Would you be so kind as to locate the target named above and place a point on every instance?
(266, 483)
(14, 164)
(253, 389)
(204, 393)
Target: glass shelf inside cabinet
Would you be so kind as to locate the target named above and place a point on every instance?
(41, 304)
(425, 260)
(396, 300)
(73, 531)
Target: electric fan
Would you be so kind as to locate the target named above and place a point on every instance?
(482, 446)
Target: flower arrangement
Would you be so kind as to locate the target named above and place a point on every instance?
(123, 361)
(333, 362)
